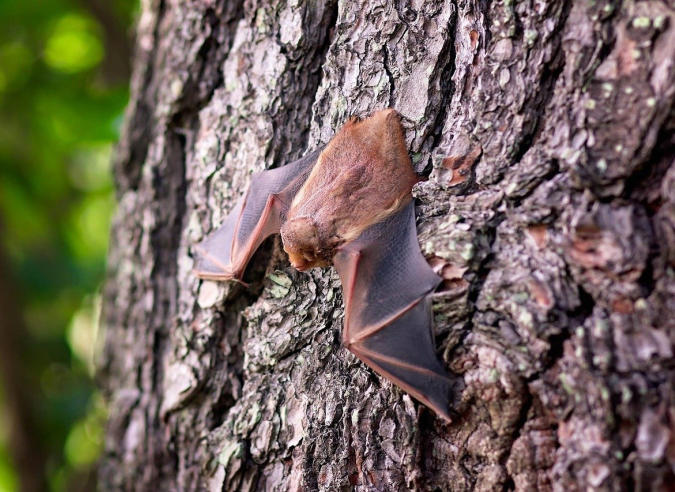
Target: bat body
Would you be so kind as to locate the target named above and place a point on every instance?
(349, 205)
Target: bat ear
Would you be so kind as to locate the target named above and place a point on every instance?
(300, 231)
(391, 114)
(386, 117)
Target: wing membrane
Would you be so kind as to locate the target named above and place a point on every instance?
(386, 283)
(258, 214)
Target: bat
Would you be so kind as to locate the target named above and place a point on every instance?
(349, 205)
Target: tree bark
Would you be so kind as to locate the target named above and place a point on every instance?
(547, 130)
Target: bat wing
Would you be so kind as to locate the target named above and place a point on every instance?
(258, 214)
(386, 284)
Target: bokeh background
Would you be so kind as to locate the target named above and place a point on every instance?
(64, 69)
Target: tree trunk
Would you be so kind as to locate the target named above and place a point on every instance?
(547, 129)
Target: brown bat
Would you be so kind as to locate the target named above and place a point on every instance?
(349, 205)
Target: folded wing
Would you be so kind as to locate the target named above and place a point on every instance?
(258, 214)
(386, 283)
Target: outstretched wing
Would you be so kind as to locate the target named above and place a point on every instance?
(386, 284)
(259, 213)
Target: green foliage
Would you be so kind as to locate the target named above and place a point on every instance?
(59, 118)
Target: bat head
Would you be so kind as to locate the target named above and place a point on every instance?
(303, 244)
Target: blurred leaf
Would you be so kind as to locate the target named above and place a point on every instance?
(8, 479)
(90, 223)
(89, 169)
(83, 331)
(23, 216)
(74, 45)
(15, 65)
(85, 440)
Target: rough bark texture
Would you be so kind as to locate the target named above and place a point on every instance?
(547, 129)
